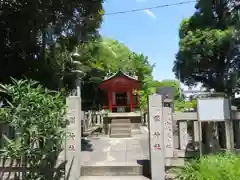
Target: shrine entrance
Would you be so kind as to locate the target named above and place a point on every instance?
(121, 99)
(122, 102)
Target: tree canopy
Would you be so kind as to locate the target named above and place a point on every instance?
(39, 39)
(106, 56)
(208, 51)
(32, 29)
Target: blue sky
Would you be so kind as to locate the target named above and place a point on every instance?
(153, 33)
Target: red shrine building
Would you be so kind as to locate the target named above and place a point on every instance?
(121, 92)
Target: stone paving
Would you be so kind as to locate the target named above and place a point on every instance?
(103, 150)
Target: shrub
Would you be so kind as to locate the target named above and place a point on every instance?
(212, 167)
(38, 117)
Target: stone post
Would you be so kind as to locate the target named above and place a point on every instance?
(156, 137)
(183, 135)
(89, 119)
(168, 128)
(73, 139)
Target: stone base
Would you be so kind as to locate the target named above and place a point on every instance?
(112, 170)
(135, 119)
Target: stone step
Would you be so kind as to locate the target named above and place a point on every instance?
(120, 135)
(113, 178)
(112, 170)
(121, 121)
(116, 130)
(121, 125)
(136, 131)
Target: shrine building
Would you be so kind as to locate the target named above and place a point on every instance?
(122, 101)
(121, 92)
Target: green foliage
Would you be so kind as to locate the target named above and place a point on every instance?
(32, 31)
(179, 103)
(104, 56)
(38, 117)
(212, 167)
(183, 105)
(206, 46)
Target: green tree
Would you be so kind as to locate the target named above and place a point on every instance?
(206, 43)
(104, 56)
(31, 31)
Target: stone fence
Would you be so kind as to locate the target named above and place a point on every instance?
(182, 138)
(90, 119)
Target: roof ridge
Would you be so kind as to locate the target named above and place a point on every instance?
(121, 72)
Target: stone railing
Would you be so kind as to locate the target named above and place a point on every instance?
(183, 140)
(91, 119)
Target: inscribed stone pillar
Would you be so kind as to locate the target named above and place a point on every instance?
(168, 131)
(156, 135)
(73, 139)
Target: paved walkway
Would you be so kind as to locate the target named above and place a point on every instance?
(103, 150)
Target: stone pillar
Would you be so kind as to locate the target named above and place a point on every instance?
(156, 137)
(196, 138)
(89, 119)
(183, 135)
(168, 129)
(73, 139)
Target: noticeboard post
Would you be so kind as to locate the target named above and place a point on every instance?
(156, 137)
(216, 109)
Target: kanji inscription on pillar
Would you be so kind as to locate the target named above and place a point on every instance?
(168, 131)
(72, 120)
(72, 147)
(72, 128)
(71, 135)
(157, 147)
(156, 134)
(73, 138)
(156, 118)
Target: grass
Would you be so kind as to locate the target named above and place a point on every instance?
(212, 167)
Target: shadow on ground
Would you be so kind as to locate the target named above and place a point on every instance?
(146, 171)
(86, 145)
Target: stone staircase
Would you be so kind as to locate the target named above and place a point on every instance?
(120, 128)
(113, 172)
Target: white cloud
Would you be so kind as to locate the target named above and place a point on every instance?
(150, 13)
